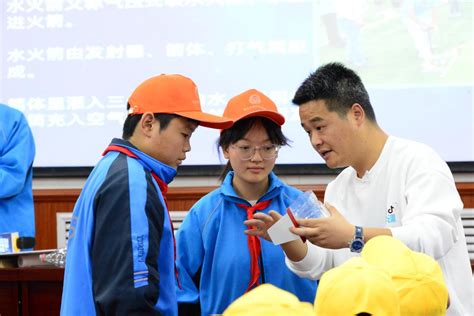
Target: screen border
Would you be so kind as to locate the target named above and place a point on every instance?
(215, 170)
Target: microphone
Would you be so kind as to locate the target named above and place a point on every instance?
(25, 242)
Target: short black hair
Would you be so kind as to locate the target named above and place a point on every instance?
(339, 86)
(240, 128)
(132, 120)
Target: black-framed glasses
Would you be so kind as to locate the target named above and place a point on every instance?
(246, 152)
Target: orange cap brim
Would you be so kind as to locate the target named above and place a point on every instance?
(207, 120)
(271, 115)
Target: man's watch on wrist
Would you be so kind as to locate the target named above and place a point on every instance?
(357, 243)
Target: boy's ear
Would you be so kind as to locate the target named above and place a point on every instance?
(148, 123)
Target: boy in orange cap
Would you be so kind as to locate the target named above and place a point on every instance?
(121, 249)
(217, 262)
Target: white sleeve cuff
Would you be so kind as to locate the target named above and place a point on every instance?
(312, 265)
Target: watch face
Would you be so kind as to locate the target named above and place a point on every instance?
(357, 245)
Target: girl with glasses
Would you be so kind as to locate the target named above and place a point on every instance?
(217, 262)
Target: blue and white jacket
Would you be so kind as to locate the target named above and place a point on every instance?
(17, 152)
(213, 258)
(120, 258)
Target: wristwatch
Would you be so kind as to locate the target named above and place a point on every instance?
(357, 243)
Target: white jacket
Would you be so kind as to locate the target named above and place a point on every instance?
(410, 190)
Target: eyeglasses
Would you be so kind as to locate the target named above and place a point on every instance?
(267, 152)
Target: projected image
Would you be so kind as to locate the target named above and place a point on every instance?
(71, 65)
(416, 42)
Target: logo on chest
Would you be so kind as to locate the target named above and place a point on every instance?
(391, 216)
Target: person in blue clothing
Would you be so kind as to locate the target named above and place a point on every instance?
(17, 152)
(217, 262)
(121, 251)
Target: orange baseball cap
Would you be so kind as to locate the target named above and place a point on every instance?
(173, 94)
(252, 103)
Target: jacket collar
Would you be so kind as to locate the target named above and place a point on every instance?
(227, 189)
(163, 171)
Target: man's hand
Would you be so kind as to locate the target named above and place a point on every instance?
(260, 224)
(333, 232)
(295, 250)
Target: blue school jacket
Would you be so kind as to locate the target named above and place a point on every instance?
(17, 152)
(213, 258)
(120, 257)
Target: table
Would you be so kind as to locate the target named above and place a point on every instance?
(31, 291)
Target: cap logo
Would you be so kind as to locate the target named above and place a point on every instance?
(255, 99)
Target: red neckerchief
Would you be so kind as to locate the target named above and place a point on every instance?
(254, 243)
(163, 188)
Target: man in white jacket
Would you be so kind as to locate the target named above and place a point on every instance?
(390, 186)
